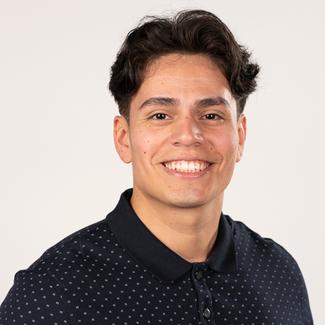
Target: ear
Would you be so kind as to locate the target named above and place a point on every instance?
(122, 138)
(241, 129)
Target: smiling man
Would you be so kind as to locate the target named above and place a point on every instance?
(183, 137)
(167, 254)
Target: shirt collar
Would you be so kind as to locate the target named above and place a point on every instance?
(150, 252)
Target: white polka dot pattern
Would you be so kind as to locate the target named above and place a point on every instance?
(89, 278)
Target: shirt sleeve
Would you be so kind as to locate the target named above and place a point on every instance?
(305, 307)
(35, 299)
(305, 310)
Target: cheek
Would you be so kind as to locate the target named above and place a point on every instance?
(225, 144)
(144, 145)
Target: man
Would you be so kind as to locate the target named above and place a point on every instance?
(167, 254)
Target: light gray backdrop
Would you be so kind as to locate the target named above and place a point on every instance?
(59, 170)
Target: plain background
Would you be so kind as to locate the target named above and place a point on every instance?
(59, 170)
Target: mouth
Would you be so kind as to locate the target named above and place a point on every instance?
(187, 168)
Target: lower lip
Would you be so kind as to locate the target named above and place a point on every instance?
(187, 174)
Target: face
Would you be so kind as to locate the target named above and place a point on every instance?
(184, 137)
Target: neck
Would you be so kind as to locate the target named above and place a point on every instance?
(189, 232)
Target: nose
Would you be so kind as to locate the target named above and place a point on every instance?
(186, 132)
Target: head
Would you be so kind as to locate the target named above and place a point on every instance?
(191, 32)
(181, 85)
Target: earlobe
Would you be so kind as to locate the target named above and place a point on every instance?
(241, 127)
(121, 138)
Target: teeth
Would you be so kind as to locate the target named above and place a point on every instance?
(187, 166)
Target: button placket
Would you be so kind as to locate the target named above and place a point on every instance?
(203, 293)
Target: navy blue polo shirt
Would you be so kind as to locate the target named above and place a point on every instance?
(117, 272)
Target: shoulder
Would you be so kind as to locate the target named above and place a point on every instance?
(39, 292)
(61, 256)
(254, 250)
(269, 262)
(73, 246)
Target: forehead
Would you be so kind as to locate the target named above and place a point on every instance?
(183, 71)
(185, 77)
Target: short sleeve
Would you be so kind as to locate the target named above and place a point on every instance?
(35, 299)
(305, 307)
(305, 310)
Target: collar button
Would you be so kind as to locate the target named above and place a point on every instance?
(198, 275)
(207, 313)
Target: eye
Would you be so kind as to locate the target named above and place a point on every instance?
(159, 116)
(213, 116)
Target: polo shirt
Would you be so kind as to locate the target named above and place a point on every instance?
(117, 272)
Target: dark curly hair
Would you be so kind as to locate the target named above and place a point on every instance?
(188, 32)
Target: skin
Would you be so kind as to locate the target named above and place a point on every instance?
(195, 119)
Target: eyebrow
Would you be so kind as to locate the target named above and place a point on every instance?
(201, 103)
(164, 101)
(211, 101)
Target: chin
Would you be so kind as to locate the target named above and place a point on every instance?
(187, 200)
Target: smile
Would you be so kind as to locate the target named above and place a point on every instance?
(187, 166)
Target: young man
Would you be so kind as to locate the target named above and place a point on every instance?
(167, 254)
